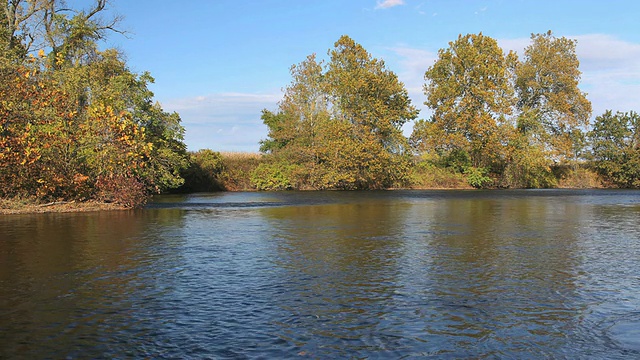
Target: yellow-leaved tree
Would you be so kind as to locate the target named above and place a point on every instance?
(338, 125)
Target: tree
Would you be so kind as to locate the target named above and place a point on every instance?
(553, 110)
(470, 92)
(19, 22)
(339, 124)
(77, 123)
(365, 94)
(615, 143)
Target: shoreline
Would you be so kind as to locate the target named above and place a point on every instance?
(19, 207)
(23, 207)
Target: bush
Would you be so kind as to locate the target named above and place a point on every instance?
(427, 175)
(120, 189)
(274, 176)
(203, 173)
(237, 170)
(477, 177)
(579, 177)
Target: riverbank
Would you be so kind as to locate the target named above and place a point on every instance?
(19, 206)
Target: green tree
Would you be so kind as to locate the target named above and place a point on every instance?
(615, 143)
(340, 123)
(203, 173)
(553, 110)
(370, 97)
(78, 123)
(470, 91)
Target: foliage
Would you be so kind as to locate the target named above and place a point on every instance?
(341, 122)
(552, 108)
(469, 89)
(203, 172)
(237, 169)
(581, 176)
(121, 189)
(615, 142)
(495, 114)
(429, 174)
(77, 123)
(274, 176)
(477, 177)
(527, 165)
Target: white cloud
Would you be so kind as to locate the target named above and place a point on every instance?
(226, 121)
(516, 45)
(413, 64)
(385, 4)
(610, 70)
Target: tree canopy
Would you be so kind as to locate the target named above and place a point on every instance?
(339, 124)
(615, 142)
(499, 115)
(76, 123)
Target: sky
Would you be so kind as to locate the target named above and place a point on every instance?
(218, 63)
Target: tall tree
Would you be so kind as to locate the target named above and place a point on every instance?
(341, 123)
(19, 25)
(367, 95)
(553, 110)
(470, 92)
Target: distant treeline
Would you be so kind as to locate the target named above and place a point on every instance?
(77, 124)
(498, 122)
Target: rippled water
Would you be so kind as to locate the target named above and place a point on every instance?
(399, 274)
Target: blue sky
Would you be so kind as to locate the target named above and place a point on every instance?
(219, 62)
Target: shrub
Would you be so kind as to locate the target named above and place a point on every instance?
(426, 174)
(125, 190)
(274, 176)
(477, 177)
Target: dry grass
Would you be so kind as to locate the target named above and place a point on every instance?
(433, 177)
(26, 206)
(233, 155)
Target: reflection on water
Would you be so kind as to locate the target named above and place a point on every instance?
(513, 274)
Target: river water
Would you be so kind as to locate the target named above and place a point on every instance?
(395, 274)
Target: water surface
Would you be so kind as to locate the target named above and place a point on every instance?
(397, 274)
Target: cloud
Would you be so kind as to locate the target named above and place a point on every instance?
(225, 121)
(481, 10)
(410, 66)
(385, 4)
(610, 70)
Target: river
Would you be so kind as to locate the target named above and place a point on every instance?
(389, 274)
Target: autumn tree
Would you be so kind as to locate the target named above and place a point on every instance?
(369, 97)
(470, 91)
(495, 113)
(339, 124)
(77, 123)
(615, 143)
(553, 110)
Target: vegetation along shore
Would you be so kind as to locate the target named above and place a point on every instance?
(78, 127)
